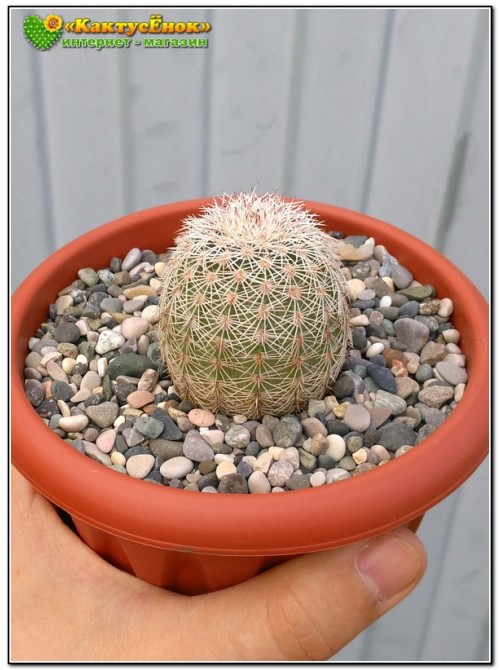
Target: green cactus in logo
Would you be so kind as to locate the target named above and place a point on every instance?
(43, 34)
(254, 308)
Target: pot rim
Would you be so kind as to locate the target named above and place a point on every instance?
(267, 524)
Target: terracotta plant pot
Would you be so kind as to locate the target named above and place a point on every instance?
(193, 543)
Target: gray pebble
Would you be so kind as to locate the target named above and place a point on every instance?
(286, 432)
(237, 436)
(412, 333)
(165, 449)
(436, 396)
(394, 435)
(312, 427)
(131, 259)
(35, 391)
(149, 426)
(67, 332)
(103, 415)
(279, 473)
(196, 449)
(401, 277)
(453, 374)
(233, 483)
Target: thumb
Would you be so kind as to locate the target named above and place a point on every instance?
(311, 606)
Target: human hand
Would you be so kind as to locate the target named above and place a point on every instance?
(68, 604)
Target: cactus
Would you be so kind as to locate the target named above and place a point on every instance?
(253, 309)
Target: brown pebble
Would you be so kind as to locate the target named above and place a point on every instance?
(137, 399)
(202, 418)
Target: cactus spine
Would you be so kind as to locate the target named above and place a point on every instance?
(254, 308)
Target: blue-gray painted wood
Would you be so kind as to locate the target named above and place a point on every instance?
(383, 110)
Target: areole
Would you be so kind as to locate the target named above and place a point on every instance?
(191, 542)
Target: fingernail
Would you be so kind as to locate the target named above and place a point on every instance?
(388, 565)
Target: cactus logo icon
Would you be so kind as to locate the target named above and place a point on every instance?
(43, 34)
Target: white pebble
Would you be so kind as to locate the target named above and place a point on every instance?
(402, 450)
(445, 307)
(263, 462)
(108, 341)
(225, 468)
(360, 320)
(151, 313)
(276, 452)
(318, 478)
(459, 391)
(360, 456)
(118, 458)
(63, 408)
(209, 489)
(81, 395)
(355, 287)
(135, 326)
(68, 364)
(140, 465)
(176, 467)
(221, 458)
(258, 483)
(62, 303)
(102, 367)
(212, 437)
(374, 349)
(73, 424)
(336, 447)
(389, 282)
(82, 359)
(385, 301)
(119, 420)
(451, 335)
(455, 359)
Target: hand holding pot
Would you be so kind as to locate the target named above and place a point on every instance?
(68, 604)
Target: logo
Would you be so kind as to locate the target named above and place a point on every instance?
(43, 34)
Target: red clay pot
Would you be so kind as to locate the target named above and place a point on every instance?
(193, 543)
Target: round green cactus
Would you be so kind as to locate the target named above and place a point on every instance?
(254, 315)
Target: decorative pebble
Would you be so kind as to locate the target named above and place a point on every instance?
(436, 396)
(453, 374)
(102, 415)
(313, 426)
(140, 466)
(177, 467)
(196, 449)
(138, 399)
(106, 441)
(237, 436)
(357, 418)
(279, 473)
(225, 468)
(135, 326)
(411, 333)
(258, 483)
(73, 424)
(201, 418)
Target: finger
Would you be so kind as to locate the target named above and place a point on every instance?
(310, 607)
